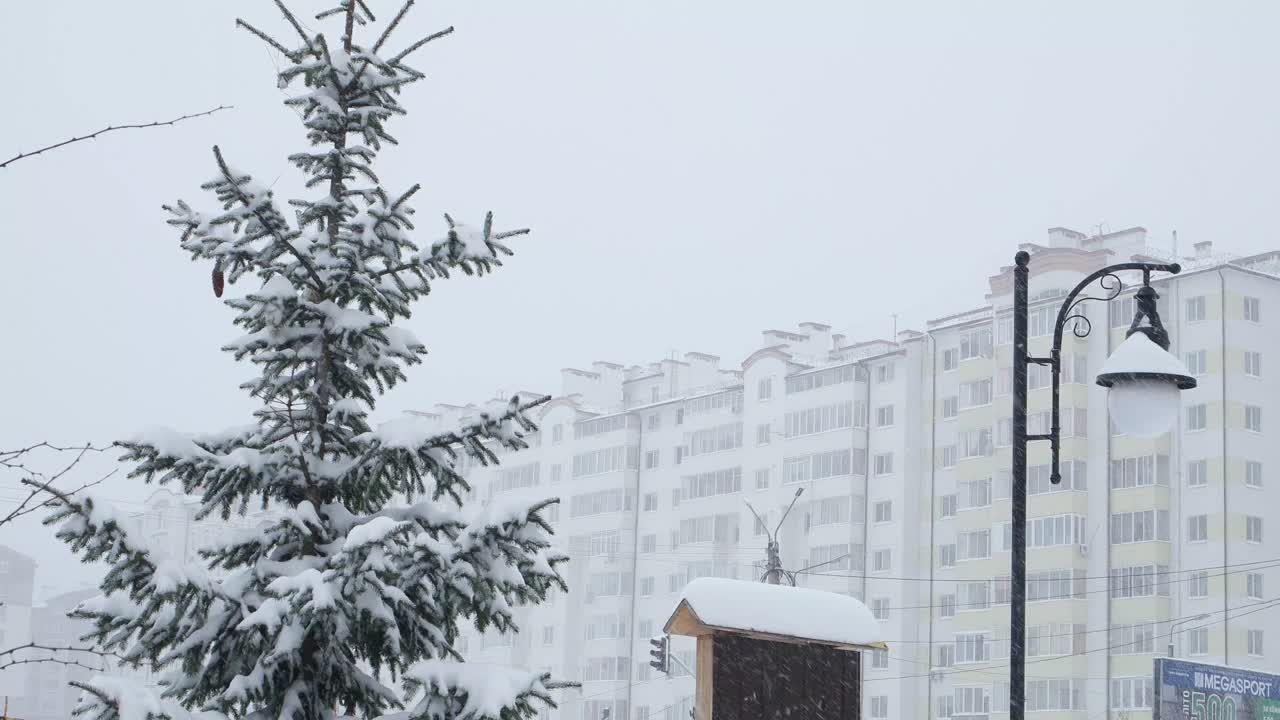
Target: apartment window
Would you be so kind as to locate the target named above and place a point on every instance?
(831, 511)
(947, 555)
(803, 468)
(884, 464)
(975, 494)
(949, 455)
(1196, 362)
(832, 558)
(975, 545)
(1197, 528)
(1198, 584)
(675, 498)
(548, 634)
(950, 359)
(1253, 363)
(819, 419)
(654, 421)
(764, 389)
(1131, 693)
(971, 702)
(947, 606)
(1253, 418)
(1196, 417)
(650, 502)
(679, 416)
(975, 595)
(1198, 641)
(557, 472)
(1133, 639)
(651, 459)
(884, 373)
(762, 479)
(950, 407)
(884, 416)
(883, 511)
(882, 560)
(1139, 526)
(975, 344)
(947, 506)
(649, 544)
(1197, 473)
(1253, 473)
(880, 608)
(879, 707)
(1253, 529)
(976, 443)
(879, 659)
(975, 394)
(1253, 585)
(1195, 309)
(646, 586)
(1004, 331)
(1255, 642)
(557, 434)
(1122, 311)
(972, 648)
(1252, 309)
(762, 434)
(722, 528)
(1139, 472)
(1139, 581)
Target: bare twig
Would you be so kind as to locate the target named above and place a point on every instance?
(111, 128)
(40, 483)
(8, 659)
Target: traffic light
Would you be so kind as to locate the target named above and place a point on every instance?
(661, 654)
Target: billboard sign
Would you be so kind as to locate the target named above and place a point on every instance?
(1196, 691)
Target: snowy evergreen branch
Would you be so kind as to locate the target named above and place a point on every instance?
(354, 592)
(111, 128)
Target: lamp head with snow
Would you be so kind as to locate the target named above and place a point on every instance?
(1142, 378)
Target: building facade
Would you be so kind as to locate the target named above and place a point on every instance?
(901, 449)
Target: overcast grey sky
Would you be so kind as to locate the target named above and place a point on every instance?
(694, 172)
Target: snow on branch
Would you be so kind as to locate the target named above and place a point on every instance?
(451, 690)
(111, 128)
(117, 698)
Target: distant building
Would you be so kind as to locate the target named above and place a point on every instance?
(49, 694)
(17, 584)
(902, 447)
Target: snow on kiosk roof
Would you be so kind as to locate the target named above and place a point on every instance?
(779, 613)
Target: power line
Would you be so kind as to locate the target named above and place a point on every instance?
(1267, 605)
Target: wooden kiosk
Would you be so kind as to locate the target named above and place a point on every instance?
(775, 651)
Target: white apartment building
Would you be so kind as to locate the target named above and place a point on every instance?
(901, 448)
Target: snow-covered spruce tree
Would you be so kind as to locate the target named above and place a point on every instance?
(376, 559)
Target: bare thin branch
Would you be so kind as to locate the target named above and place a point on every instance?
(297, 26)
(112, 128)
(8, 655)
(391, 27)
(405, 53)
(265, 38)
(15, 460)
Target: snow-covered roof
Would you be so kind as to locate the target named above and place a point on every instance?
(774, 612)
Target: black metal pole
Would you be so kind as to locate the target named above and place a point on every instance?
(1018, 492)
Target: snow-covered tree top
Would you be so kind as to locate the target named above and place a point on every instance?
(362, 579)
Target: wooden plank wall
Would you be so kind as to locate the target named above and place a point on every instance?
(761, 680)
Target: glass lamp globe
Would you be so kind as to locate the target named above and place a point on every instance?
(1144, 382)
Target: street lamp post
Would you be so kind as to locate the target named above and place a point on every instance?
(1143, 381)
